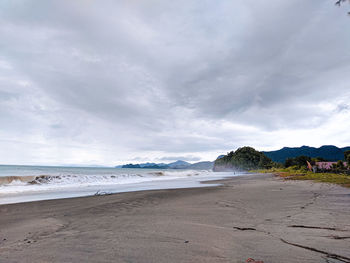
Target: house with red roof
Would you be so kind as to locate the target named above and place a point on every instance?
(327, 165)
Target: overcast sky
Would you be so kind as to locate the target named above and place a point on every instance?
(108, 82)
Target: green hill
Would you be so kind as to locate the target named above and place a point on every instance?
(245, 158)
(328, 152)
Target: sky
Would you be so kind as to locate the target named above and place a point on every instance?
(109, 82)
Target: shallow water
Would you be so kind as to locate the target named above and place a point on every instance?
(33, 183)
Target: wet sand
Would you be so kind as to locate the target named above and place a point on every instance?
(255, 216)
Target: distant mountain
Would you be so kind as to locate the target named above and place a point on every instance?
(175, 165)
(147, 164)
(179, 165)
(202, 166)
(152, 165)
(328, 152)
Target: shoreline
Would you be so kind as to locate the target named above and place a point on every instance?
(209, 183)
(157, 183)
(246, 216)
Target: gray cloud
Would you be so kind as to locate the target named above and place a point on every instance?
(87, 81)
(343, 107)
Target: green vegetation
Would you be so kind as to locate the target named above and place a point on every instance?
(347, 157)
(341, 179)
(299, 161)
(245, 158)
(295, 173)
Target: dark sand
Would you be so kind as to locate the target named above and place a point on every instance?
(187, 225)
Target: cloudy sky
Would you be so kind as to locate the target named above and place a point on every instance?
(108, 82)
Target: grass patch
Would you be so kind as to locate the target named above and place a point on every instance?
(291, 173)
(341, 179)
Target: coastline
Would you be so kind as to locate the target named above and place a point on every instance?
(67, 183)
(246, 216)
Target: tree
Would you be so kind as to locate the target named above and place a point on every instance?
(289, 162)
(347, 157)
(300, 161)
(245, 158)
(338, 167)
(319, 159)
(265, 162)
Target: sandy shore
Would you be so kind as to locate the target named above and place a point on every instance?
(252, 216)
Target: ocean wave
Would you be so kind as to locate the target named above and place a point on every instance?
(74, 179)
(58, 179)
(8, 180)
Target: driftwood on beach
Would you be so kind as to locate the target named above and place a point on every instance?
(100, 193)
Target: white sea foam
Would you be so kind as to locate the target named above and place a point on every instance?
(17, 183)
(51, 183)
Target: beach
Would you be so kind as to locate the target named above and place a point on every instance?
(251, 216)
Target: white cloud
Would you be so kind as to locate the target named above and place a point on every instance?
(89, 82)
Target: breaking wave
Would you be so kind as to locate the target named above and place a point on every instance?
(15, 179)
(33, 183)
(91, 179)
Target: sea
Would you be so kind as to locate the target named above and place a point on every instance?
(33, 183)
